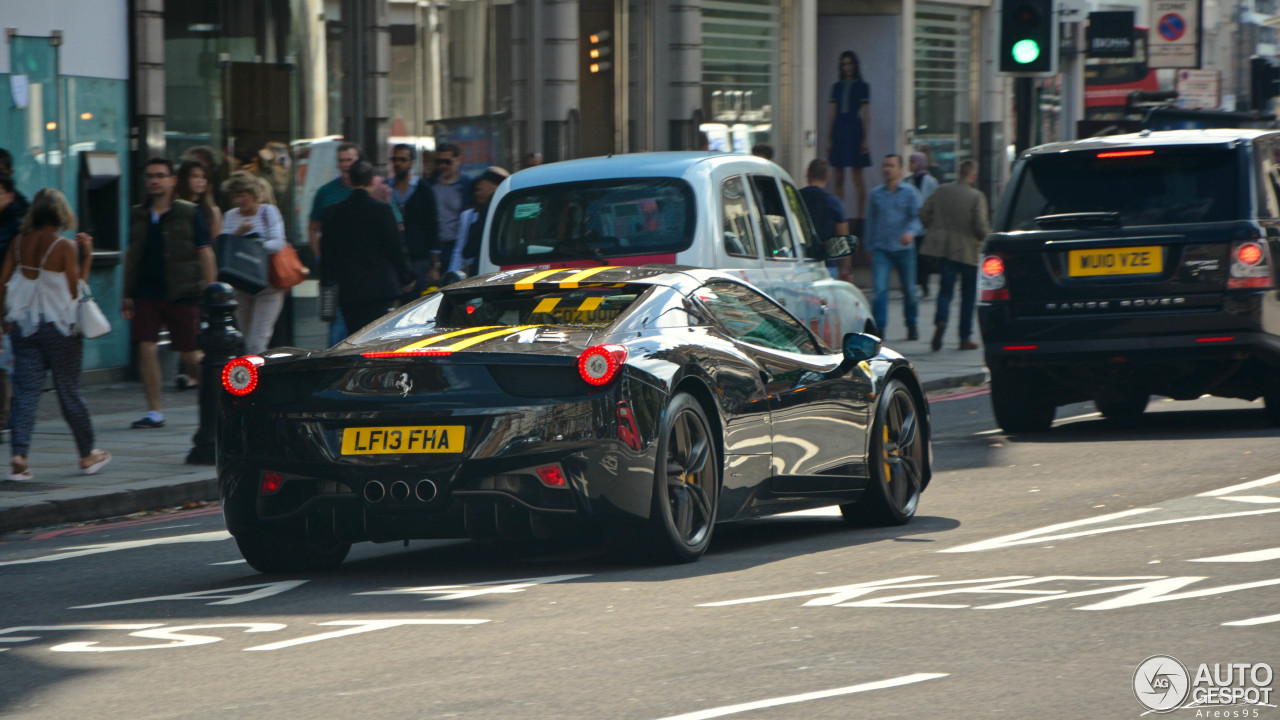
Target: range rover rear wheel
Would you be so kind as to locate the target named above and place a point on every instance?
(1123, 406)
(1019, 404)
(1271, 396)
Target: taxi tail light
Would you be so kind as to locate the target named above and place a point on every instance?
(1250, 265)
(552, 476)
(627, 431)
(599, 364)
(271, 483)
(240, 376)
(991, 282)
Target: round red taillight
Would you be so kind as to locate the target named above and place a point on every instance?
(992, 266)
(600, 363)
(240, 376)
(1249, 254)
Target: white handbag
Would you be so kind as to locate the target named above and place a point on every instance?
(89, 317)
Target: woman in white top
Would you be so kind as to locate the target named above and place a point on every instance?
(40, 280)
(256, 314)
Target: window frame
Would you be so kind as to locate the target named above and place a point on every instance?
(748, 201)
(766, 226)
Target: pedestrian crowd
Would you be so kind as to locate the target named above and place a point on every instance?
(376, 241)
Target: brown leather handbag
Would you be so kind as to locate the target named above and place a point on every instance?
(286, 270)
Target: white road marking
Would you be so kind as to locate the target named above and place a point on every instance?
(85, 550)
(1244, 557)
(177, 637)
(1254, 621)
(1270, 480)
(232, 562)
(462, 592)
(359, 626)
(1032, 537)
(791, 699)
(224, 596)
(1086, 416)
(72, 628)
(1254, 499)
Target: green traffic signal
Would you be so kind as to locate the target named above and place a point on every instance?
(1026, 51)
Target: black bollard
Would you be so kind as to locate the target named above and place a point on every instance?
(221, 342)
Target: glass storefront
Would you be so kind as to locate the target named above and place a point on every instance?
(70, 132)
(741, 61)
(945, 85)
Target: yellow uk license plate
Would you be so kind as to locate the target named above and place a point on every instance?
(1115, 261)
(399, 440)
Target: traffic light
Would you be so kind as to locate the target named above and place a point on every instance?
(1027, 33)
(1264, 83)
(599, 52)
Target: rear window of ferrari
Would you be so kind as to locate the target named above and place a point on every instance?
(1142, 186)
(594, 220)
(591, 307)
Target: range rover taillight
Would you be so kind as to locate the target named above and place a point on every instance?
(1250, 265)
(991, 282)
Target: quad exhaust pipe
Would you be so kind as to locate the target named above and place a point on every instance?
(375, 491)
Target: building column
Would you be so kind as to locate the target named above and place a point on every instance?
(800, 146)
(148, 73)
(558, 99)
(906, 111)
(995, 113)
(684, 73)
(521, 71)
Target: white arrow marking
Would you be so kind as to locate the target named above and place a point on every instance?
(1255, 499)
(462, 592)
(84, 550)
(1244, 557)
(1269, 480)
(791, 699)
(1254, 621)
(357, 627)
(1031, 537)
(224, 596)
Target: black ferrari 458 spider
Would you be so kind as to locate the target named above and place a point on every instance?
(652, 402)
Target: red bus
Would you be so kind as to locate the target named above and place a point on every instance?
(1108, 81)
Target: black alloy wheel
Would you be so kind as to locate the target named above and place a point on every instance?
(685, 492)
(897, 461)
(274, 551)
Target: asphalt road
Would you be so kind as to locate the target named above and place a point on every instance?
(1040, 573)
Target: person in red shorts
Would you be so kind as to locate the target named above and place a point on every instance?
(167, 267)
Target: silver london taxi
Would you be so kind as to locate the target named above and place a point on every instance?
(737, 213)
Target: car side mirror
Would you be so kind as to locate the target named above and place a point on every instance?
(841, 246)
(860, 346)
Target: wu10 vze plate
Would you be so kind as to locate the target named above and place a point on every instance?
(403, 440)
(1116, 261)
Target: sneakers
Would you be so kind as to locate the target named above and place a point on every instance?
(148, 422)
(939, 331)
(913, 333)
(968, 345)
(184, 382)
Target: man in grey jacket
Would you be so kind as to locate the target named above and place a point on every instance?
(956, 221)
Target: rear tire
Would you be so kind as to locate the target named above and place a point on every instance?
(1018, 404)
(896, 460)
(685, 492)
(1271, 396)
(1123, 407)
(273, 551)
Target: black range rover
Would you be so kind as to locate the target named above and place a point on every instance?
(1134, 265)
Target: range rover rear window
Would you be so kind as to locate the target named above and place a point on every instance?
(1132, 186)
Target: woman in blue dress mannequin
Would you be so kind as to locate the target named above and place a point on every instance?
(850, 122)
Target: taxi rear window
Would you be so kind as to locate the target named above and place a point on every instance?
(1143, 186)
(593, 220)
(584, 307)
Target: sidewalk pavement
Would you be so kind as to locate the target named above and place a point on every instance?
(148, 470)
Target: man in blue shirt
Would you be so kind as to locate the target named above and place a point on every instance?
(827, 213)
(892, 224)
